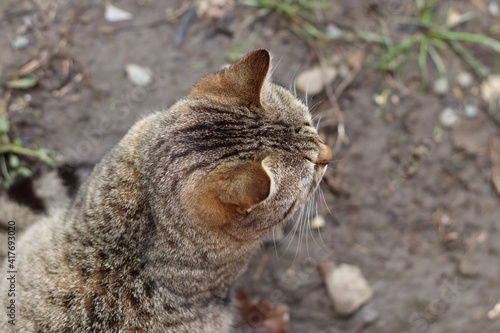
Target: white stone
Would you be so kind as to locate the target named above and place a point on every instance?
(115, 14)
(465, 79)
(494, 8)
(138, 75)
(470, 111)
(346, 287)
(494, 313)
(333, 31)
(453, 16)
(313, 80)
(20, 42)
(448, 118)
(490, 88)
(318, 222)
(440, 86)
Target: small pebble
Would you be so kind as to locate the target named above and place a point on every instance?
(440, 86)
(494, 8)
(333, 31)
(465, 79)
(313, 80)
(448, 118)
(317, 222)
(346, 287)
(27, 21)
(115, 14)
(494, 313)
(470, 111)
(138, 75)
(490, 88)
(395, 99)
(453, 16)
(20, 42)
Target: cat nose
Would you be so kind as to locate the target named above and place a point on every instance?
(325, 155)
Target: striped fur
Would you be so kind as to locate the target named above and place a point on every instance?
(166, 222)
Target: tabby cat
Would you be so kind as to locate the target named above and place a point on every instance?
(167, 221)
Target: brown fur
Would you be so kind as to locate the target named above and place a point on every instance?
(166, 222)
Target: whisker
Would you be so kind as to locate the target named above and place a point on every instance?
(313, 108)
(292, 233)
(318, 122)
(274, 67)
(322, 195)
(293, 85)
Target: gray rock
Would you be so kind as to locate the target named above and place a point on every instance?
(490, 88)
(20, 42)
(346, 287)
(494, 8)
(115, 14)
(138, 75)
(471, 111)
(313, 80)
(441, 86)
(465, 79)
(448, 118)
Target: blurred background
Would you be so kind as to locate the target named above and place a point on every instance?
(404, 235)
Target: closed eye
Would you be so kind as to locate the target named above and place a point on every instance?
(312, 162)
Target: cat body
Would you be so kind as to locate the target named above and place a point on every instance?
(167, 221)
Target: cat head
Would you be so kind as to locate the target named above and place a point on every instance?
(245, 150)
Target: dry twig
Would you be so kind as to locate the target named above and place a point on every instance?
(260, 268)
(356, 62)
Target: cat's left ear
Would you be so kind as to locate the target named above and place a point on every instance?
(239, 84)
(230, 192)
(243, 187)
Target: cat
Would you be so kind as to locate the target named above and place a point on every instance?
(166, 222)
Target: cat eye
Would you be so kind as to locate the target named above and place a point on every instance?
(310, 160)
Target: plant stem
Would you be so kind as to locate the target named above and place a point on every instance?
(10, 148)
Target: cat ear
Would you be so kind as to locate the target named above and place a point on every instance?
(250, 74)
(245, 186)
(230, 192)
(239, 84)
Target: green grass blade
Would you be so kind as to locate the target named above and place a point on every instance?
(427, 12)
(396, 50)
(467, 37)
(469, 58)
(422, 61)
(438, 43)
(438, 61)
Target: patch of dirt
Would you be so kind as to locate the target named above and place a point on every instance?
(419, 215)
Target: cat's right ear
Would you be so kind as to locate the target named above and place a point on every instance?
(239, 84)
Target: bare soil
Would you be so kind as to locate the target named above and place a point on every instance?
(413, 204)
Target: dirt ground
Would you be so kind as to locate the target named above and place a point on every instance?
(409, 202)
